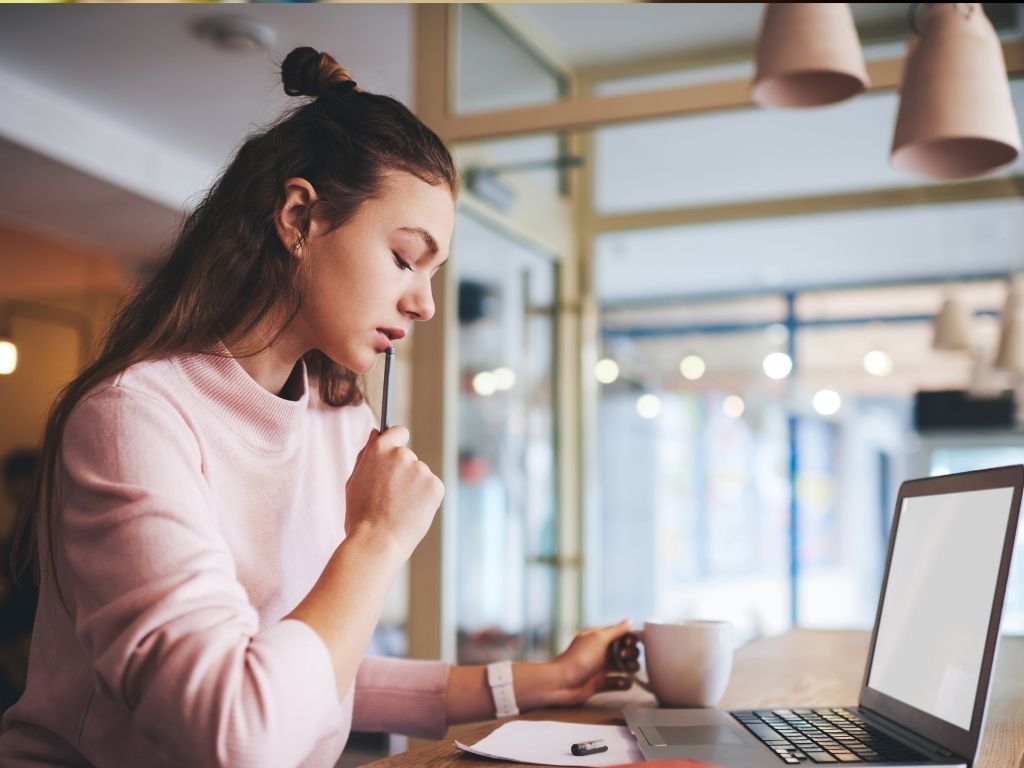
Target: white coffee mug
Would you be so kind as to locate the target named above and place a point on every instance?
(688, 662)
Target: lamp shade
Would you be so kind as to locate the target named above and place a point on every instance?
(985, 380)
(956, 115)
(952, 326)
(808, 54)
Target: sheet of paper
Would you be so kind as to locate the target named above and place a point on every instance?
(547, 742)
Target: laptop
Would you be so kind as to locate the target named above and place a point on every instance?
(930, 661)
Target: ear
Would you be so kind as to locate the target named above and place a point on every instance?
(293, 221)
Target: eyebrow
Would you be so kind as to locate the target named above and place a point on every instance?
(428, 238)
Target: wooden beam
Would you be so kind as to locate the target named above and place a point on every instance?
(988, 189)
(433, 66)
(587, 112)
(430, 626)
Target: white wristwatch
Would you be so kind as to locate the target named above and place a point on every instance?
(499, 677)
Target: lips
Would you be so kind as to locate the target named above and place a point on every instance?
(387, 335)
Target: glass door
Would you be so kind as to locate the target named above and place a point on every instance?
(506, 531)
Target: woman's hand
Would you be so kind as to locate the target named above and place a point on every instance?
(391, 496)
(586, 668)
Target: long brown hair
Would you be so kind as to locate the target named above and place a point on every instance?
(227, 269)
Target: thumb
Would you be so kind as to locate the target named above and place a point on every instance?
(615, 631)
(374, 434)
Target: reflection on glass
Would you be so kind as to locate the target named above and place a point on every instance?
(694, 512)
(531, 158)
(496, 68)
(506, 524)
(697, 500)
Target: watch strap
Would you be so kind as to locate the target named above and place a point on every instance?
(499, 677)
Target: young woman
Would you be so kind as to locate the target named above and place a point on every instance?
(218, 523)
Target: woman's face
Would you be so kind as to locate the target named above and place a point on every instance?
(370, 278)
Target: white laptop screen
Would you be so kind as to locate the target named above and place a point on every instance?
(938, 601)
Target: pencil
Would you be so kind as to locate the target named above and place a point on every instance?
(385, 402)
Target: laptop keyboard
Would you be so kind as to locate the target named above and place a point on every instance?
(824, 736)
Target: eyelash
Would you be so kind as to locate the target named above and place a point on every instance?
(402, 263)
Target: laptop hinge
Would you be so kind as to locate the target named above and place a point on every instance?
(925, 745)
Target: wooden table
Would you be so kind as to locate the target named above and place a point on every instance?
(800, 668)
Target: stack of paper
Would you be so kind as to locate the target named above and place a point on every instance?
(547, 742)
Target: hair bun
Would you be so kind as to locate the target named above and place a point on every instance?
(307, 72)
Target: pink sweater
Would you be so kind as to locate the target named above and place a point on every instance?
(198, 509)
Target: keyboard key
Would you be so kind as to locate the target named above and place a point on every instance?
(823, 736)
(764, 733)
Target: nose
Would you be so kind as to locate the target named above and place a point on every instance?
(418, 304)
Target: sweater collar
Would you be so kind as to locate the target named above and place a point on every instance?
(266, 421)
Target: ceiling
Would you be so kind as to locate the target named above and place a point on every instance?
(142, 65)
(117, 117)
(609, 33)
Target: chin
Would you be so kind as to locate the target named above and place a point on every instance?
(360, 363)
(362, 370)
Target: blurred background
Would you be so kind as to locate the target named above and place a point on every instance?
(689, 344)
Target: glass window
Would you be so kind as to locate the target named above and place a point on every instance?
(495, 68)
(753, 154)
(902, 243)
(506, 531)
(697, 497)
(694, 512)
(508, 163)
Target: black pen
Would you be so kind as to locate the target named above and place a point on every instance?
(385, 402)
(589, 747)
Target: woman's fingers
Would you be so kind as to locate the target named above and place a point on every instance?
(391, 493)
(623, 652)
(616, 682)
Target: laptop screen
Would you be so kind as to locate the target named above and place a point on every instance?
(938, 601)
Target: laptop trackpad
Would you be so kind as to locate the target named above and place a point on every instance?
(690, 735)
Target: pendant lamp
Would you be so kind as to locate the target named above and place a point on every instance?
(1010, 354)
(956, 115)
(985, 380)
(952, 326)
(808, 54)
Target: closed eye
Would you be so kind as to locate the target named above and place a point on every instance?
(402, 263)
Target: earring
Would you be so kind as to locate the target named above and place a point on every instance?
(298, 244)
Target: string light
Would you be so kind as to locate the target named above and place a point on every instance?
(692, 367)
(733, 406)
(504, 378)
(878, 363)
(8, 356)
(485, 383)
(648, 406)
(777, 365)
(826, 401)
(606, 370)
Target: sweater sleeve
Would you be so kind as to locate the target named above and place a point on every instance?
(157, 605)
(401, 696)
